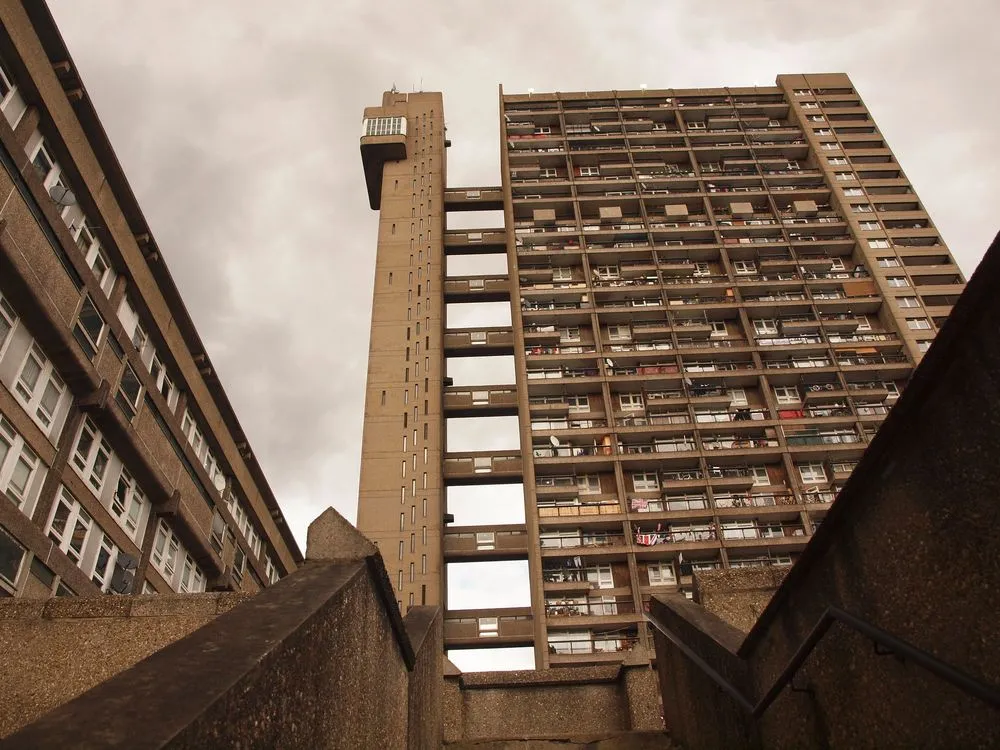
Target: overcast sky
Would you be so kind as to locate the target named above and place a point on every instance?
(237, 122)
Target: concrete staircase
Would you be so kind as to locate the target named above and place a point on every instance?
(633, 740)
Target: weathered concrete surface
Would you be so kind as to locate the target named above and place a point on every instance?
(425, 629)
(529, 704)
(910, 546)
(53, 650)
(737, 595)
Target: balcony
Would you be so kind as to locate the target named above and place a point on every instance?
(473, 242)
(481, 401)
(593, 544)
(485, 543)
(478, 342)
(591, 648)
(580, 607)
(488, 628)
(477, 289)
(473, 199)
(483, 467)
(577, 508)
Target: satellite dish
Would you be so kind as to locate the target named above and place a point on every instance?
(609, 362)
(124, 574)
(62, 196)
(219, 482)
(554, 441)
(688, 382)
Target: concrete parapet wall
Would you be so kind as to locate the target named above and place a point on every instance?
(551, 703)
(737, 596)
(56, 649)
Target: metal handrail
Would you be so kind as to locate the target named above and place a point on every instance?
(896, 646)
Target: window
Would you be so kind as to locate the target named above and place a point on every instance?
(760, 476)
(104, 565)
(661, 573)
(192, 577)
(128, 506)
(877, 244)
(812, 473)
(836, 160)
(862, 208)
(89, 328)
(18, 464)
(923, 345)
(11, 102)
(589, 171)
(718, 329)
(892, 388)
(869, 226)
(588, 484)
(8, 319)
(166, 545)
(376, 126)
(648, 481)
(548, 172)
(45, 165)
(562, 273)
(569, 335)
(166, 387)
(619, 333)
(11, 558)
(830, 146)
(702, 269)
(802, 92)
(39, 388)
(271, 570)
(578, 403)
(744, 267)
(897, 281)
(91, 456)
(219, 532)
(863, 323)
(738, 396)
(787, 394)
(844, 176)
(853, 191)
(765, 327)
(631, 401)
(94, 256)
(69, 526)
(907, 302)
(606, 272)
(888, 262)
(918, 324)
(129, 392)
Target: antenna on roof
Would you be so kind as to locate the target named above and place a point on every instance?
(394, 90)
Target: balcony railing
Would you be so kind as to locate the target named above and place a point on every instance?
(571, 608)
(582, 541)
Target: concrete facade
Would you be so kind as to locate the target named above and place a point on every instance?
(401, 500)
(927, 476)
(716, 297)
(126, 465)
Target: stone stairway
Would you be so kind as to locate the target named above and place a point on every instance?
(632, 740)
